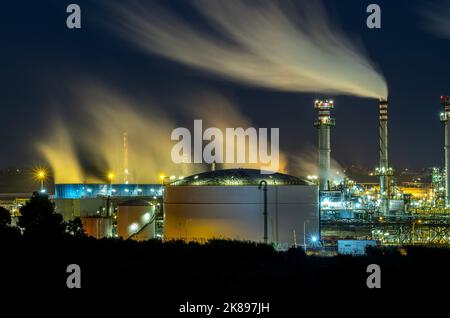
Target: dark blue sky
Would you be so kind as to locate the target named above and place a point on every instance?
(41, 58)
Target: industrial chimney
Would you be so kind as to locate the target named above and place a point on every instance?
(384, 171)
(323, 123)
(445, 116)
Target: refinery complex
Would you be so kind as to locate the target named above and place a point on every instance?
(278, 209)
(210, 156)
(227, 199)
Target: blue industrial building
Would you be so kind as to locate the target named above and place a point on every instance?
(79, 191)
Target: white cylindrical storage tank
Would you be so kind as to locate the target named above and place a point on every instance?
(136, 220)
(228, 204)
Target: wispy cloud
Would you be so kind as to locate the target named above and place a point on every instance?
(437, 19)
(289, 46)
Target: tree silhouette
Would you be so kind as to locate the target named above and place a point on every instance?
(75, 228)
(7, 232)
(39, 220)
(5, 217)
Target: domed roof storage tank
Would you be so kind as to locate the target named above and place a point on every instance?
(136, 220)
(229, 204)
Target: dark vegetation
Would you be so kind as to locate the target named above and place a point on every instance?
(36, 258)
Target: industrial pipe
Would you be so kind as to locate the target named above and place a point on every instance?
(263, 184)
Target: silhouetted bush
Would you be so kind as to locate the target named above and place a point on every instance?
(39, 220)
(296, 254)
(5, 217)
(75, 228)
(7, 232)
(179, 268)
(391, 251)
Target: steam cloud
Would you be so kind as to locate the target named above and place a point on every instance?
(217, 111)
(437, 20)
(305, 164)
(60, 154)
(97, 141)
(282, 46)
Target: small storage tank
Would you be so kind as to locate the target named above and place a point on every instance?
(136, 220)
(82, 207)
(98, 227)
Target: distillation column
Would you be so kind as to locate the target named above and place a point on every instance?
(323, 123)
(445, 116)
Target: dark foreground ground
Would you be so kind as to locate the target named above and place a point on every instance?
(162, 276)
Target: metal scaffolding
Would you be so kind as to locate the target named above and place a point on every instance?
(396, 230)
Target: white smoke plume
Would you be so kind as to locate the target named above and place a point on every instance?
(149, 145)
(272, 44)
(305, 164)
(59, 151)
(222, 112)
(437, 19)
(97, 140)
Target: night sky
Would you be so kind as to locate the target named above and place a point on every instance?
(41, 59)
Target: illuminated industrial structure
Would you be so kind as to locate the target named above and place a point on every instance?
(323, 123)
(108, 210)
(137, 218)
(438, 186)
(390, 214)
(79, 191)
(384, 171)
(230, 204)
(445, 116)
(233, 204)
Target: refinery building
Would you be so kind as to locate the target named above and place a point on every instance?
(240, 204)
(284, 210)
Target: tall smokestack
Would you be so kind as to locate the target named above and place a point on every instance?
(384, 171)
(323, 123)
(445, 116)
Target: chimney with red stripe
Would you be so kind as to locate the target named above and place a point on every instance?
(384, 171)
